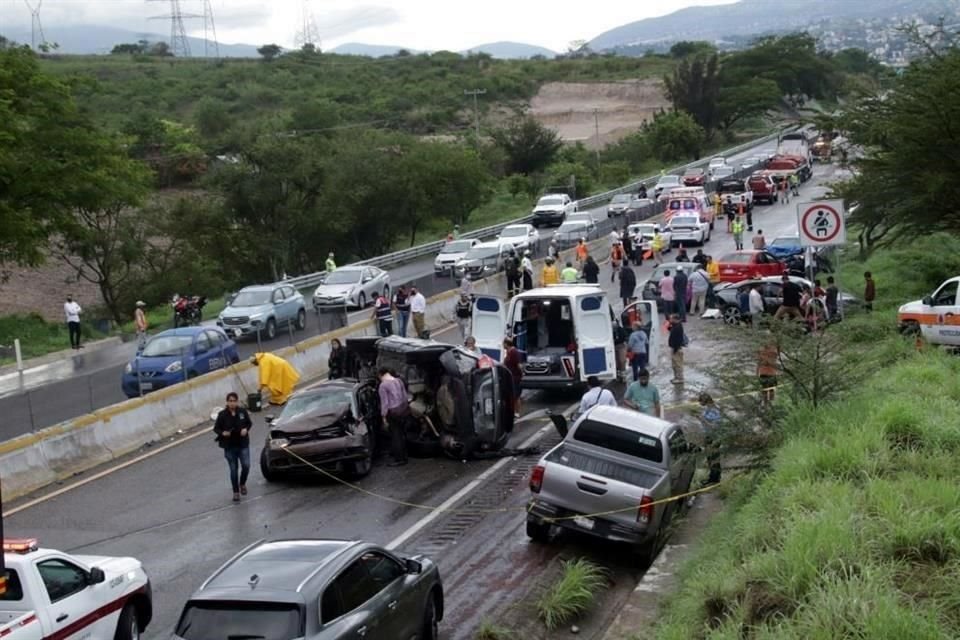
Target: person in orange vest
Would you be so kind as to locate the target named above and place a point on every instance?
(616, 259)
(767, 369)
(582, 252)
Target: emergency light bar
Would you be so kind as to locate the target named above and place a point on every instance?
(20, 545)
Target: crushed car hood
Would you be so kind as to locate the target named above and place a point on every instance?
(312, 420)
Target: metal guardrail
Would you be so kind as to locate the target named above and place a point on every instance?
(431, 248)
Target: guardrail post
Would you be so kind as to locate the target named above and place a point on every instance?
(19, 355)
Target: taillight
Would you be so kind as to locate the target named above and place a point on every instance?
(645, 512)
(536, 478)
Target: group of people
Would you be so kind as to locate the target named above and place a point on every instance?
(404, 304)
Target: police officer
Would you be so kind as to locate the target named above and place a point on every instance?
(383, 314)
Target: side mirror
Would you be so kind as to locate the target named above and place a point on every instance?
(96, 576)
(928, 301)
(414, 567)
(269, 419)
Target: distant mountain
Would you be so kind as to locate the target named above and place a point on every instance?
(97, 39)
(371, 50)
(756, 17)
(512, 50)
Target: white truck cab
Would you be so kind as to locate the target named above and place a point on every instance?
(565, 332)
(50, 594)
(936, 317)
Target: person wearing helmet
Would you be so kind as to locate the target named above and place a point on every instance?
(550, 274)
(526, 271)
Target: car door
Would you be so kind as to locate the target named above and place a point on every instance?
(941, 317)
(772, 296)
(489, 323)
(404, 610)
(219, 358)
(492, 416)
(369, 283)
(593, 334)
(276, 301)
(291, 303)
(203, 354)
(645, 311)
(350, 606)
(71, 598)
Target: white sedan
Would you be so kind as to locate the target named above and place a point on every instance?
(644, 232)
(521, 237)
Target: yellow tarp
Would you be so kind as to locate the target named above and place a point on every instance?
(277, 375)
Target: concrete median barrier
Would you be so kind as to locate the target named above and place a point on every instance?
(35, 460)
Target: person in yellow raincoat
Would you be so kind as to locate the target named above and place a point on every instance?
(277, 375)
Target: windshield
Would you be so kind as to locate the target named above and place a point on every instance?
(626, 441)
(457, 246)
(343, 276)
(572, 227)
(621, 198)
(324, 401)
(251, 299)
(478, 253)
(240, 621)
(643, 228)
(723, 171)
(163, 346)
(511, 232)
(551, 200)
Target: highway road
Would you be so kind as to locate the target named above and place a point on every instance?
(172, 510)
(60, 391)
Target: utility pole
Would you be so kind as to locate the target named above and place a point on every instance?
(210, 42)
(596, 127)
(36, 29)
(307, 33)
(476, 107)
(179, 45)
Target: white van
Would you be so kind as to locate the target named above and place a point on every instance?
(564, 331)
(936, 317)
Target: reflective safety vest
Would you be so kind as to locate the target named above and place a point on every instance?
(383, 309)
(331, 265)
(569, 275)
(738, 226)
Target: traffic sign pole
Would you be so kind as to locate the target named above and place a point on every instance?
(3, 568)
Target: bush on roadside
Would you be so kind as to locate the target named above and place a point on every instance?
(573, 594)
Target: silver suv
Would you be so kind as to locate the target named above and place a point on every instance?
(263, 308)
(316, 590)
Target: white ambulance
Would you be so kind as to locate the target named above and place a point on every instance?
(936, 317)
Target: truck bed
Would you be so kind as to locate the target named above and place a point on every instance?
(637, 475)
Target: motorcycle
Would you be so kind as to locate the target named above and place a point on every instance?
(187, 310)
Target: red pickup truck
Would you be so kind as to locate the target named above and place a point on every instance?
(763, 187)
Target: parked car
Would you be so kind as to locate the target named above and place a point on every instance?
(771, 288)
(482, 260)
(763, 187)
(687, 229)
(716, 163)
(637, 207)
(722, 172)
(52, 594)
(694, 177)
(450, 254)
(935, 316)
(316, 590)
(666, 183)
(175, 355)
(618, 204)
(263, 309)
(352, 286)
(618, 463)
(650, 288)
(783, 247)
(553, 209)
(569, 233)
(749, 263)
(330, 424)
(644, 232)
(521, 237)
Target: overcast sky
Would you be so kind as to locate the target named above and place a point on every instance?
(418, 24)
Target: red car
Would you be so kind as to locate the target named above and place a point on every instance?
(694, 178)
(743, 265)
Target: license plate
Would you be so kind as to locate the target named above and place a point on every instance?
(146, 386)
(583, 523)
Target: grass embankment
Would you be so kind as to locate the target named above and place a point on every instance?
(855, 530)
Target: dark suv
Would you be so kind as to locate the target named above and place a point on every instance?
(316, 590)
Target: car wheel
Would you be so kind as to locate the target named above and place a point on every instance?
(360, 468)
(127, 627)
(268, 474)
(362, 300)
(424, 448)
(271, 329)
(301, 320)
(910, 328)
(731, 315)
(538, 531)
(648, 551)
(431, 626)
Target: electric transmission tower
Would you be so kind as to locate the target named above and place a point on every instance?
(36, 29)
(179, 45)
(307, 29)
(210, 42)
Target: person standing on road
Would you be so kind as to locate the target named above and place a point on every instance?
(401, 304)
(331, 264)
(713, 270)
(680, 282)
(596, 395)
(395, 409)
(383, 314)
(616, 259)
(657, 246)
(72, 311)
(701, 259)
(464, 313)
(791, 300)
(456, 232)
(418, 307)
(628, 284)
(337, 361)
(552, 250)
(738, 233)
(759, 242)
(755, 304)
(783, 186)
(700, 283)
(667, 292)
(140, 321)
(526, 269)
(677, 342)
(591, 271)
(642, 396)
(232, 427)
(466, 286)
(833, 294)
(569, 275)
(511, 360)
(513, 274)
(550, 274)
(638, 349)
(795, 184)
(869, 291)
(582, 252)
(627, 243)
(711, 417)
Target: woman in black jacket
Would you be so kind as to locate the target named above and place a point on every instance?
(628, 283)
(591, 271)
(337, 362)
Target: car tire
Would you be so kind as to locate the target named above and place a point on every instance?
(271, 329)
(731, 315)
(360, 468)
(424, 448)
(538, 531)
(648, 550)
(362, 300)
(910, 328)
(301, 320)
(430, 630)
(268, 474)
(128, 628)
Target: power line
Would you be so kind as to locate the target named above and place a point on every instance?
(210, 41)
(306, 33)
(179, 45)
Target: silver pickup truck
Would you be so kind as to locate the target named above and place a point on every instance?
(603, 479)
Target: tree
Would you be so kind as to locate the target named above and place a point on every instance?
(130, 48)
(694, 87)
(674, 135)
(160, 50)
(687, 48)
(792, 61)
(741, 101)
(529, 145)
(211, 117)
(269, 51)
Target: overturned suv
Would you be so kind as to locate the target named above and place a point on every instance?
(461, 404)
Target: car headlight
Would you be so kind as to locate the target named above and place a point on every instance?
(279, 443)
(174, 366)
(128, 368)
(256, 316)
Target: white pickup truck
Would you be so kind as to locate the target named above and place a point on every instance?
(53, 595)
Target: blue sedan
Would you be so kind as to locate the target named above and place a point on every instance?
(177, 355)
(783, 247)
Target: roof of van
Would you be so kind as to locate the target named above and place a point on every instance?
(561, 290)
